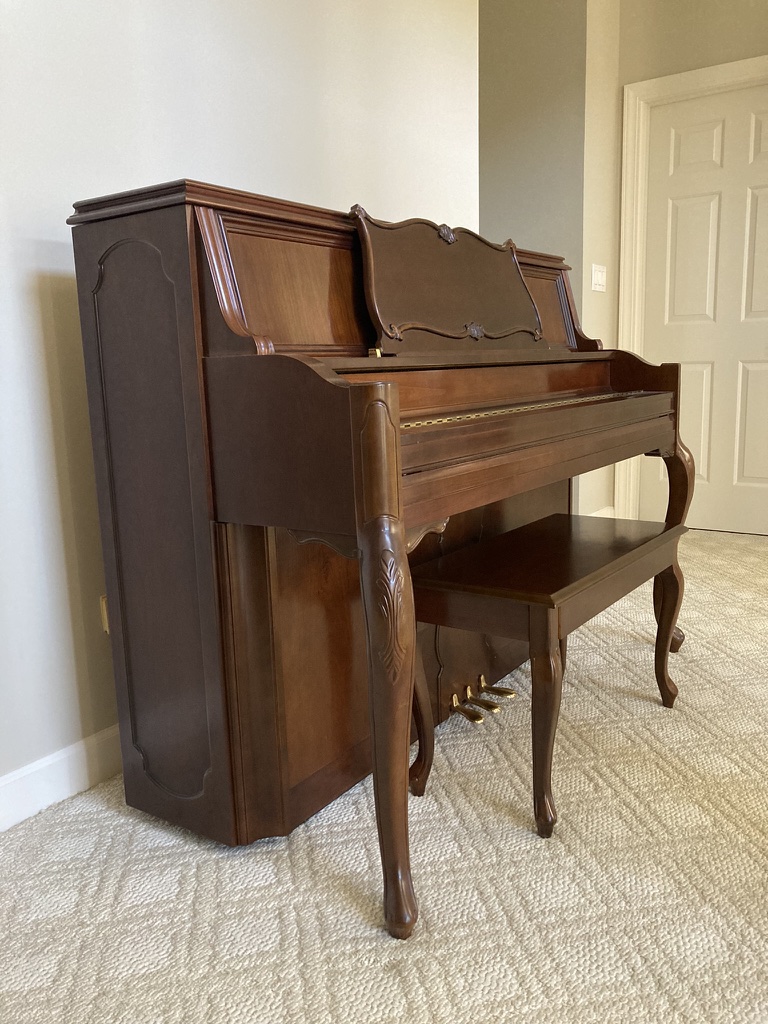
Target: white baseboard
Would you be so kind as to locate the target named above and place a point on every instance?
(609, 512)
(60, 775)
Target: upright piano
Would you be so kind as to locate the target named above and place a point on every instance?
(289, 407)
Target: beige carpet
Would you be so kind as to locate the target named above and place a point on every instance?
(649, 904)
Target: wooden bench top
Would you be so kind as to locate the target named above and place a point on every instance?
(548, 561)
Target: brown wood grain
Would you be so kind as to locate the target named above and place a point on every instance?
(237, 488)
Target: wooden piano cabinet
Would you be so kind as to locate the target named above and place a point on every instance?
(261, 473)
(239, 654)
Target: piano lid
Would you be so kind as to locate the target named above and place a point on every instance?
(431, 287)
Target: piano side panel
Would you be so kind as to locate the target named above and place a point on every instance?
(144, 397)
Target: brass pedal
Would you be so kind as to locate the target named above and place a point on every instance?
(469, 713)
(495, 691)
(481, 702)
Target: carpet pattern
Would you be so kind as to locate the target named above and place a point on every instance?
(649, 903)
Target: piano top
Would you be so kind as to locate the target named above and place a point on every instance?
(290, 278)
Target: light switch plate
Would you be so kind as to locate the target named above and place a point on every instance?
(598, 278)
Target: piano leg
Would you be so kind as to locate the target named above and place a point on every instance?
(680, 473)
(385, 581)
(547, 678)
(670, 583)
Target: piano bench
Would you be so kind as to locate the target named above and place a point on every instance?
(540, 582)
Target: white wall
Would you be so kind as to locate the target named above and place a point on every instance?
(333, 103)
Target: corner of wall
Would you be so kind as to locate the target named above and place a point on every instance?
(58, 776)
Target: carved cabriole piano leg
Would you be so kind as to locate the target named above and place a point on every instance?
(547, 678)
(680, 473)
(385, 582)
(391, 634)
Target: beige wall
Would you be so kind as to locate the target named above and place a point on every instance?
(532, 69)
(665, 37)
(551, 78)
(370, 101)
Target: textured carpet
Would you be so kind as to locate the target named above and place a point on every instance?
(649, 904)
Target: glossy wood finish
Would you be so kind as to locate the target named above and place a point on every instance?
(426, 392)
(473, 297)
(142, 371)
(385, 584)
(542, 581)
(681, 473)
(278, 479)
(546, 693)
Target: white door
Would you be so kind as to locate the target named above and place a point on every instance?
(706, 299)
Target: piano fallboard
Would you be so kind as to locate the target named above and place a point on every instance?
(435, 493)
(455, 438)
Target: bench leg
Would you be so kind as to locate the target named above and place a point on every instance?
(425, 730)
(681, 473)
(678, 636)
(670, 585)
(547, 677)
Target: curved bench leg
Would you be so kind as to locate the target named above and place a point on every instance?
(547, 678)
(681, 473)
(425, 730)
(678, 636)
(670, 585)
(564, 652)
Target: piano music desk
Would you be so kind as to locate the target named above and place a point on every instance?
(540, 582)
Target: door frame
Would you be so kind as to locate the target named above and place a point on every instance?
(639, 99)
